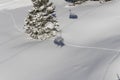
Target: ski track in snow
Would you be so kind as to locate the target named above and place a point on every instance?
(28, 47)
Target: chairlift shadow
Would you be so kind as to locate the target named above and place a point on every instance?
(72, 15)
(59, 41)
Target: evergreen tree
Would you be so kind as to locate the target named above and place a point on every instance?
(81, 1)
(40, 22)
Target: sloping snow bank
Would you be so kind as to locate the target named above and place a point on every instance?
(21, 59)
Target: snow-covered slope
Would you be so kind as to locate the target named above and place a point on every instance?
(91, 51)
(12, 4)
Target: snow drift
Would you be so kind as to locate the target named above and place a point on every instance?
(91, 51)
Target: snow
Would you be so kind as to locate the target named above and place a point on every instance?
(92, 43)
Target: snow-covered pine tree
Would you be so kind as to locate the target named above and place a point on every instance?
(40, 22)
(76, 1)
(82, 1)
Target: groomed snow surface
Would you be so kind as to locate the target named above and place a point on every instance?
(92, 43)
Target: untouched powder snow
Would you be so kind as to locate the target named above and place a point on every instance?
(12, 4)
(92, 43)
